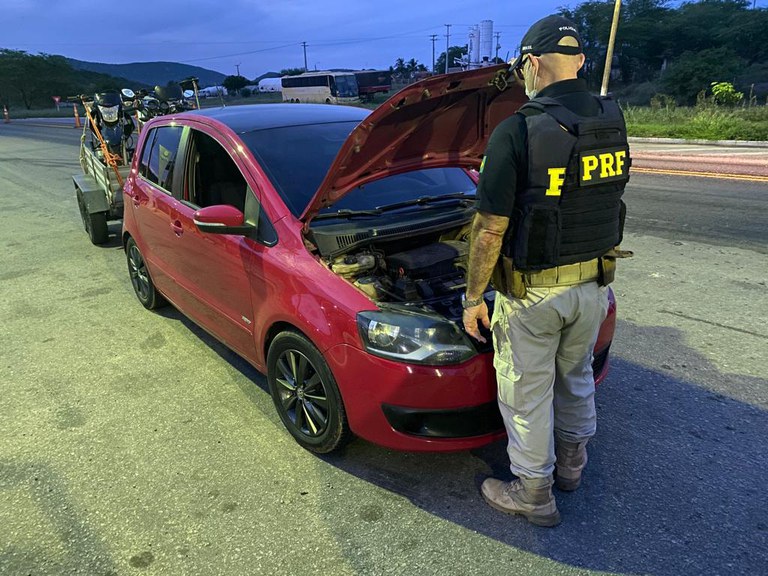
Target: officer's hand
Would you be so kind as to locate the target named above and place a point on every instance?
(471, 317)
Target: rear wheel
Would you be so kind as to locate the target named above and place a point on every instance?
(142, 283)
(305, 394)
(95, 224)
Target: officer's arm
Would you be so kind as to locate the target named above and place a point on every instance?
(485, 245)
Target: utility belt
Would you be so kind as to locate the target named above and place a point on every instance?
(508, 279)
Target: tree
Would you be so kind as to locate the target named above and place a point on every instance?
(695, 71)
(404, 71)
(32, 80)
(292, 71)
(455, 53)
(234, 83)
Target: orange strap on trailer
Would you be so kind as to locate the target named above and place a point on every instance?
(110, 158)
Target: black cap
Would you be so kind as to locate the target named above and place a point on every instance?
(544, 37)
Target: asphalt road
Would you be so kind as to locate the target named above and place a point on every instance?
(132, 443)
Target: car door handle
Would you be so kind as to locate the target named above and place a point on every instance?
(177, 228)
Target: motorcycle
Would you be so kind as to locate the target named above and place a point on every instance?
(162, 100)
(111, 124)
(172, 99)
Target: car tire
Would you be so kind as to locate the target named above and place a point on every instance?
(142, 283)
(305, 394)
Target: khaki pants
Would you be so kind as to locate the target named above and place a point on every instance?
(543, 364)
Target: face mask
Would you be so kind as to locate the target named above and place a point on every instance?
(530, 92)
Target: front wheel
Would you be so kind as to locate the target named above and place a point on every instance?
(305, 394)
(142, 283)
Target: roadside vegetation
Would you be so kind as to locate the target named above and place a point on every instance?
(712, 118)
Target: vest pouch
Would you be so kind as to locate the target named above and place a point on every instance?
(606, 266)
(537, 242)
(622, 217)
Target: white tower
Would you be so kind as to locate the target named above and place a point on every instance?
(474, 45)
(486, 41)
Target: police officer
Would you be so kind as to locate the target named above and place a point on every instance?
(549, 214)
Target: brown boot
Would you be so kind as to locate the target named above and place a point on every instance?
(571, 460)
(529, 497)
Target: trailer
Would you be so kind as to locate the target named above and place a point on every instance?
(99, 192)
(370, 82)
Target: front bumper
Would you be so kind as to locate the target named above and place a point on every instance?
(431, 408)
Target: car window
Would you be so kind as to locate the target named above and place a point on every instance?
(297, 158)
(144, 162)
(159, 155)
(213, 177)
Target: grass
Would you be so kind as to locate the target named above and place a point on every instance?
(699, 123)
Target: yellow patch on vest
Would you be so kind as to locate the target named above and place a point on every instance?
(556, 181)
(602, 165)
(482, 165)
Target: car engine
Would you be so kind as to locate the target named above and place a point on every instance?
(426, 274)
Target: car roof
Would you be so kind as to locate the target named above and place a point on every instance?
(252, 117)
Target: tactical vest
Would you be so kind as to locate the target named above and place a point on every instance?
(571, 210)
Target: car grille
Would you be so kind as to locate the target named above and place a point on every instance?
(458, 423)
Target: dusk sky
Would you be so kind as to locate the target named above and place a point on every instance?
(260, 36)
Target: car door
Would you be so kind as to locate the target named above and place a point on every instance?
(213, 269)
(154, 207)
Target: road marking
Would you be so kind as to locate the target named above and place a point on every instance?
(751, 178)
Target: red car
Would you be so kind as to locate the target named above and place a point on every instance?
(327, 245)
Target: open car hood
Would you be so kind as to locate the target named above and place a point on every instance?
(441, 121)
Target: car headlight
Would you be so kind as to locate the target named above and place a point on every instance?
(416, 337)
(109, 113)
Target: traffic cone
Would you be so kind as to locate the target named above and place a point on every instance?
(6, 118)
(77, 117)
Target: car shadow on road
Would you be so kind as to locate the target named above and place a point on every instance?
(674, 486)
(675, 483)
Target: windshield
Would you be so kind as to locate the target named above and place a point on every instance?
(346, 86)
(297, 158)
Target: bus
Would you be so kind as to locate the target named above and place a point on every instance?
(328, 87)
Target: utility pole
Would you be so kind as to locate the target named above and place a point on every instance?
(469, 50)
(238, 69)
(433, 37)
(447, 44)
(498, 35)
(304, 44)
(611, 42)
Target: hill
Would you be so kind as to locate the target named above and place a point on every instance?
(152, 73)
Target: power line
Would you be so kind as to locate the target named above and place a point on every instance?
(239, 53)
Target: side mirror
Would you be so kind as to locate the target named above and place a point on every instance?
(128, 93)
(222, 219)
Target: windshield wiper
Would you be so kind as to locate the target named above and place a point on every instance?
(424, 200)
(346, 213)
